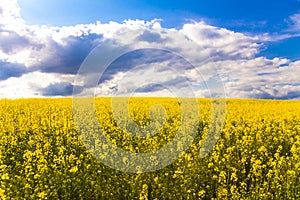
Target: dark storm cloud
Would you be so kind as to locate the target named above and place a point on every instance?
(8, 70)
(263, 95)
(59, 89)
(179, 82)
(210, 34)
(53, 57)
(10, 41)
(139, 57)
(260, 93)
(150, 88)
(291, 95)
(67, 59)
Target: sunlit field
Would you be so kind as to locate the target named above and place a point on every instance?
(257, 155)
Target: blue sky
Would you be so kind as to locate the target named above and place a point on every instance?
(256, 15)
(250, 17)
(253, 45)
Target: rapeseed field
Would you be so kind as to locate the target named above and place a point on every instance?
(43, 154)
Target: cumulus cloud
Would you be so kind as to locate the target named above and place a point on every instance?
(10, 13)
(221, 43)
(66, 59)
(45, 59)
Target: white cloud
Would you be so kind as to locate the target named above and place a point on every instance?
(292, 30)
(221, 41)
(296, 21)
(10, 13)
(30, 85)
